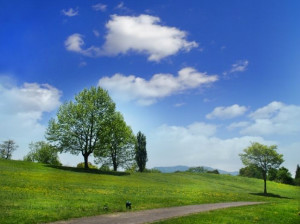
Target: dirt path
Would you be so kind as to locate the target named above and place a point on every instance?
(153, 214)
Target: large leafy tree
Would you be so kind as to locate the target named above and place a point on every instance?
(7, 148)
(79, 125)
(117, 145)
(262, 156)
(42, 152)
(141, 151)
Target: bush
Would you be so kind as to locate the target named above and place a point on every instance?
(91, 166)
(213, 171)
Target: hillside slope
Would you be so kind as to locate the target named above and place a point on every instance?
(34, 193)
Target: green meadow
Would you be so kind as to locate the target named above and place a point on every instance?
(36, 193)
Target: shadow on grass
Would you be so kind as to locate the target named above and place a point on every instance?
(270, 195)
(92, 171)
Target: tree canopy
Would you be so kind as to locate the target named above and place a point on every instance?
(117, 148)
(79, 125)
(42, 152)
(262, 156)
(7, 148)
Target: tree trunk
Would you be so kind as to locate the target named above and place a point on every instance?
(115, 166)
(86, 161)
(265, 183)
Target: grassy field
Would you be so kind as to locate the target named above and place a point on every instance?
(35, 193)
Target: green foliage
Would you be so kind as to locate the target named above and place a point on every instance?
(153, 170)
(7, 148)
(79, 125)
(42, 152)
(35, 193)
(213, 171)
(272, 174)
(251, 171)
(262, 156)
(104, 168)
(297, 176)
(91, 166)
(284, 176)
(117, 145)
(140, 151)
(198, 169)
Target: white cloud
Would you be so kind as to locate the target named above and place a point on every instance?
(21, 110)
(275, 118)
(96, 33)
(196, 145)
(239, 66)
(144, 34)
(227, 112)
(99, 7)
(141, 34)
(70, 12)
(75, 43)
(120, 5)
(159, 86)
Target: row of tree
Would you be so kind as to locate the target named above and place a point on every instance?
(91, 125)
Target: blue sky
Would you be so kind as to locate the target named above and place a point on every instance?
(202, 79)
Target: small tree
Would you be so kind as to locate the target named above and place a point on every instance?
(199, 169)
(140, 151)
(264, 157)
(117, 148)
(297, 175)
(79, 124)
(42, 152)
(7, 148)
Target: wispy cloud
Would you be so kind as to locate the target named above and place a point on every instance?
(147, 92)
(100, 7)
(70, 12)
(239, 66)
(227, 112)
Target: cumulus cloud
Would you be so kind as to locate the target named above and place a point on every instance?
(275, 118)
(21, 110)
(146, 92)
(75, 43)
(70, 12)
(142, 34)
(227, 112)
(99, 7)
(197, 145)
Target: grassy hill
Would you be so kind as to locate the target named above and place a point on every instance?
(35, 193)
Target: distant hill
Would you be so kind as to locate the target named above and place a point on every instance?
(172, 169)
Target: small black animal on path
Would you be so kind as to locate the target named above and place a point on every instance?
(128, 205)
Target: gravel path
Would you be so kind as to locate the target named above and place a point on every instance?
(153, 214)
